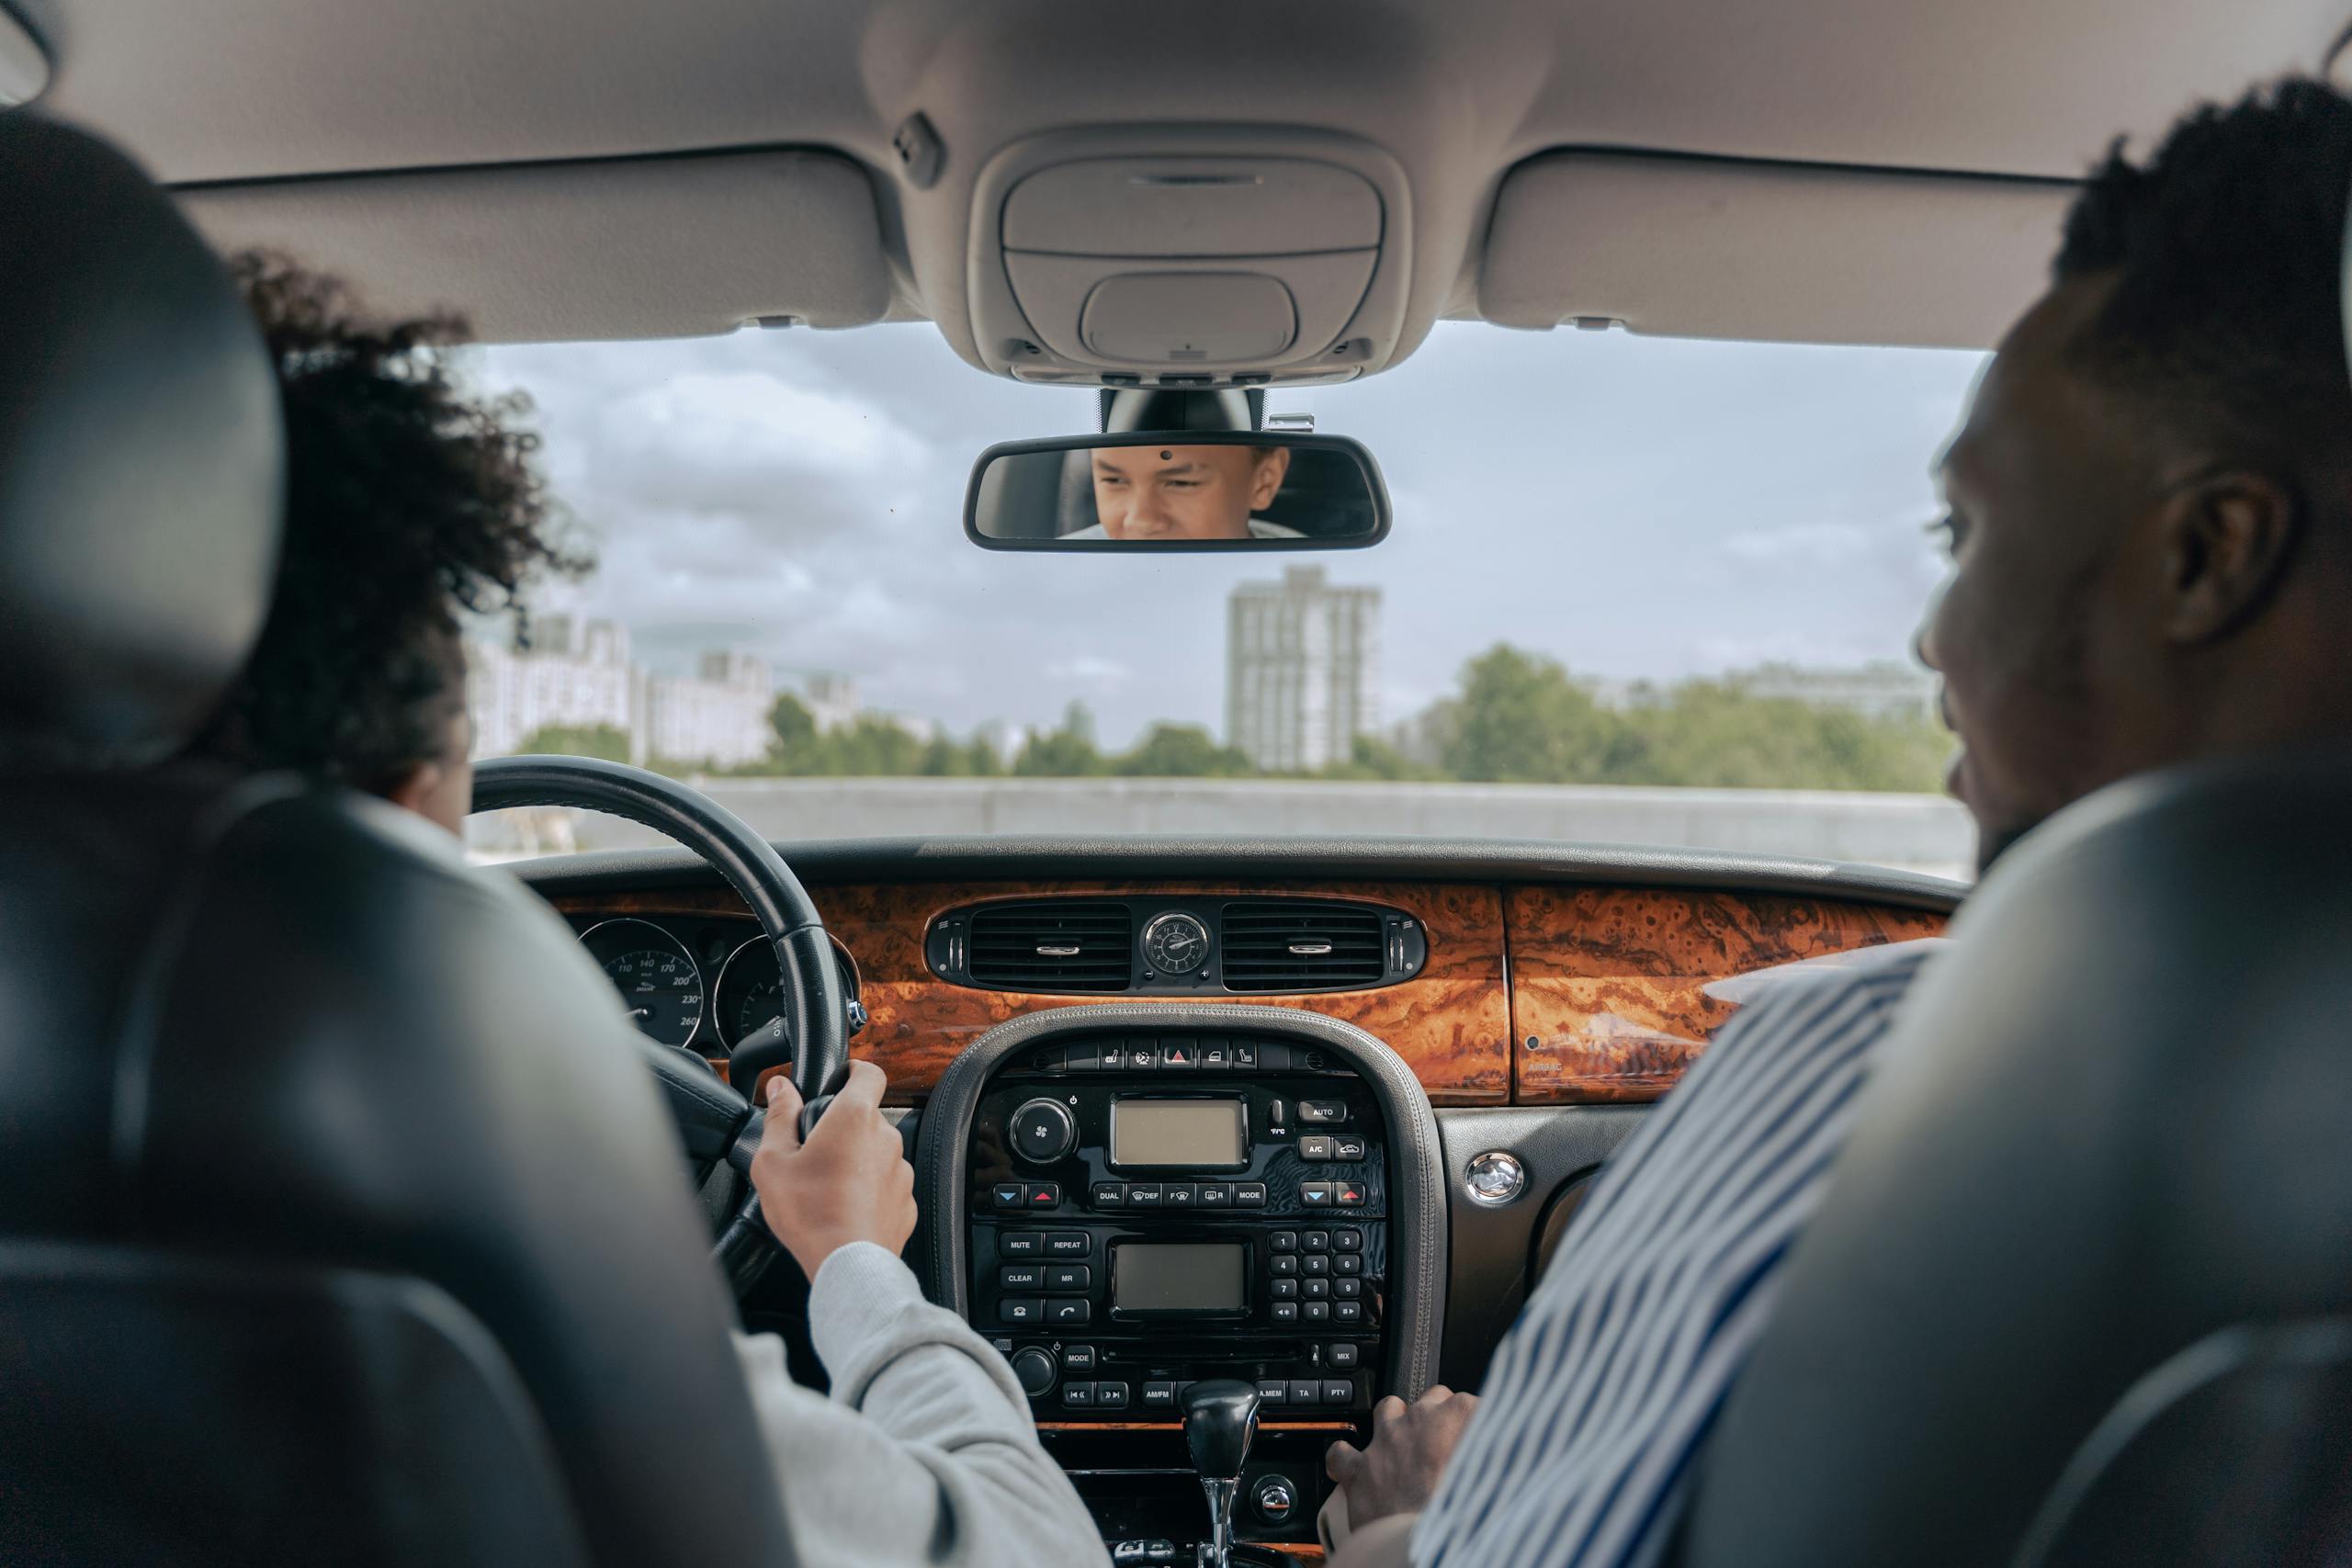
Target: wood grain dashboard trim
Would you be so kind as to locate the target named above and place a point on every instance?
(1450, 1023)
(1616, 991)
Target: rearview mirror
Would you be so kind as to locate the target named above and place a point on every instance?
(1193, 490)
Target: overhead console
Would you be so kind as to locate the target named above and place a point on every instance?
(1189, 258)
(1146, 1199)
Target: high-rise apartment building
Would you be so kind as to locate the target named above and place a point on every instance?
(1302, 670)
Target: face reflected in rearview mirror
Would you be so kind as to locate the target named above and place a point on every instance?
(1177, 490)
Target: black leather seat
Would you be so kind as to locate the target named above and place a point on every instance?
(2081, 1291)
(338, 1220)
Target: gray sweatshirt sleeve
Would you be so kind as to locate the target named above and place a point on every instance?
(925, 1454)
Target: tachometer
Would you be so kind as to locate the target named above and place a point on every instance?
(750, 996)
(657, 977)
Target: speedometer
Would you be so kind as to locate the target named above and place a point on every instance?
(658, 979)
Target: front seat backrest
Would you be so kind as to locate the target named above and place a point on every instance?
(2078, 1293)
(338, 1222)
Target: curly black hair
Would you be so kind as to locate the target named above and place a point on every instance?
(2225, 314)
(408, 500)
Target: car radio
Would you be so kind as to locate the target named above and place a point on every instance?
(1148, 1210)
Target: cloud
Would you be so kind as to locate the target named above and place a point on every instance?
(745, 442)
(1820, 543)
(1090, 669)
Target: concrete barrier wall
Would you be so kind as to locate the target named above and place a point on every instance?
(1917, 833)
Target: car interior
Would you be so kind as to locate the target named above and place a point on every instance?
(339, 1226)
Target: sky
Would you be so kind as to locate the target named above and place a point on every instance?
(1636, 508)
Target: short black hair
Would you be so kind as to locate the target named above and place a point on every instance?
(2225, 249)
(407, 501)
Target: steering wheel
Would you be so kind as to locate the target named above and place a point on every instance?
(716, 1120)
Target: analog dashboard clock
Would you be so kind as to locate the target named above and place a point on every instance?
(1175, 943)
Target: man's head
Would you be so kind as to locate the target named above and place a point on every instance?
(1185, 492)
(406, 501)
(2151, 502)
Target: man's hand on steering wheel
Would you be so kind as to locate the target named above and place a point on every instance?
(848, 1183)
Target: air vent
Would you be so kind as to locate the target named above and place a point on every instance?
(1061, 946)
(1295, 947)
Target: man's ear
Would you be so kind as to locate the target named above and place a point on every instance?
(1266, 477)
(2227, 541)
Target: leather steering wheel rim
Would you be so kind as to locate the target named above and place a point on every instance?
(816, 1011)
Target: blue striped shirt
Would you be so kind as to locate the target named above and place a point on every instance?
(1601, 1393)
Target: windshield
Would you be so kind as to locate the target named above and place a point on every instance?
(1638, 589)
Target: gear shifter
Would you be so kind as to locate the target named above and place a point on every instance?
(1220, 1418)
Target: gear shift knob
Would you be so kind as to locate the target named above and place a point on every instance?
(1220, 1418)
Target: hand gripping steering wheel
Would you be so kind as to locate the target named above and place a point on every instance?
(716, 1120)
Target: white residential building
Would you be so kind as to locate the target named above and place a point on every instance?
(831, 698)
(719, 717)
(1302, 670)
(573, 675)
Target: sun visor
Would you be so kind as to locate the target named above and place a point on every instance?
(638, 248)
(1709, 248)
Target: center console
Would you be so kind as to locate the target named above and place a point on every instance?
(1145, 1211)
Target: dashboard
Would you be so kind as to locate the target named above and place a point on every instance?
(1315, 1115)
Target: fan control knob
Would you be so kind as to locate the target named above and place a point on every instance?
(1044, 1131)
(1035, 1367)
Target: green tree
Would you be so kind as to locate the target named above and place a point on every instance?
(1065, 753)
(1183, 751)
(798, 745)
(980, 759)
(1521, 720)
(943, 758)
(1715, 734)
(1372, 760)
(872, 747)
(578, 741)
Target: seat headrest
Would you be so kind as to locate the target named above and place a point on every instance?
(141, 461)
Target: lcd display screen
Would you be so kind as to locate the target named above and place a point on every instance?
(1204, 1277)
(1203, 1133)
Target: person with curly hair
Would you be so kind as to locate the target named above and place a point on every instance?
(408, 502)
(2149, 512)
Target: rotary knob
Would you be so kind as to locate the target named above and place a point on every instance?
(1043, 1131)
(1035, 1367)
(1273, 1499)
